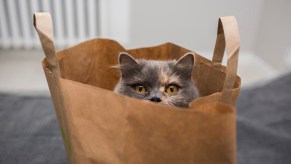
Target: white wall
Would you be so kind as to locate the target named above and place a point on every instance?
(191, 23)
(265, 26)
(273, 42)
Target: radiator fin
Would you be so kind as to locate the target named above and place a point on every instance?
(74, 21)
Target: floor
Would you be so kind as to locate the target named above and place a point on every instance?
(21, 71)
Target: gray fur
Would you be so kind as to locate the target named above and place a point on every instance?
(155, 75)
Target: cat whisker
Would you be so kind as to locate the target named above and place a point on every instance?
(115, 66)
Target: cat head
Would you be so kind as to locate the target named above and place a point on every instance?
(167, 82)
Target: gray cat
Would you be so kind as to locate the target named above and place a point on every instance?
(167, 82)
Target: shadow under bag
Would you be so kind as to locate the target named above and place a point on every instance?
(100, 126)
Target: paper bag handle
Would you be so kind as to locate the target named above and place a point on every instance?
(42, 22)
(227, 39)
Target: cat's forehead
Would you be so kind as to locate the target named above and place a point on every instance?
(156, 64)
(159, 71)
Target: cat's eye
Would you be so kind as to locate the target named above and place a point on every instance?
(139, 88)
(171, 89)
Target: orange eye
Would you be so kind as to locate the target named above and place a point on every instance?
(139, 88)
(171, 89)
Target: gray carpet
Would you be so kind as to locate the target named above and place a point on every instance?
(264, 123)
(29, 132)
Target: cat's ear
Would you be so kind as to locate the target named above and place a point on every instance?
(186, 61)
(126, 59)
(127, 65)
(184, 65)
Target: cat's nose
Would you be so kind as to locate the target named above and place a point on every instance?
(155, 99)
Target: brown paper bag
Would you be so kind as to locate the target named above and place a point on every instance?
(99, 126)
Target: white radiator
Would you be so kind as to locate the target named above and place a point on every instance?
(73, 20)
